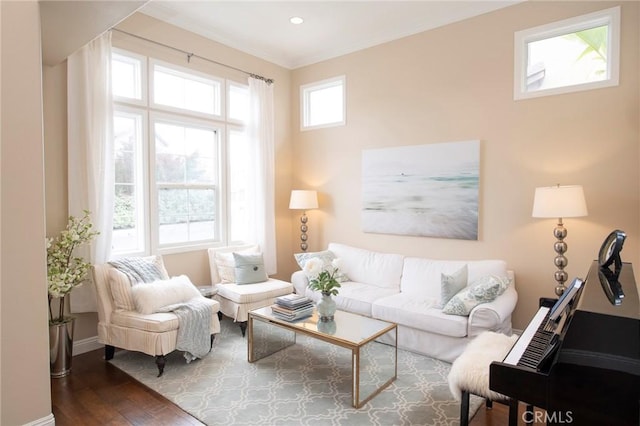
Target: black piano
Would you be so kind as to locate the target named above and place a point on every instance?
(583, 366)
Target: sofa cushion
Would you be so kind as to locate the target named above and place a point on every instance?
(421, 277)
(421, 314)
(369, 267)
(358, 297)
(483, 290)
(157, 323)
(451, 284)
(249, 268)
(249, 293)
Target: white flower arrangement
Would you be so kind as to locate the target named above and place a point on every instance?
(321, 279)
(64, 270)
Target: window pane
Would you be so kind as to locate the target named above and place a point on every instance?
(128, 225)
(238, 174)
(186, 215)
(323, 103)
(238, 102)
(185, 154)
(567, 60)
(126, 75)
(325, 106)
(185, 91)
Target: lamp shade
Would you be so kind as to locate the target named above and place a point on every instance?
(303, 200)
(559, 201)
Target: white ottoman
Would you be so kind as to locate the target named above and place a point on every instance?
(470, 373)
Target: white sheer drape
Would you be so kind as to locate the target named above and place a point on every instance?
(261, 197)
(90, 151)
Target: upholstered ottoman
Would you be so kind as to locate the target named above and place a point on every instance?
(470, 373)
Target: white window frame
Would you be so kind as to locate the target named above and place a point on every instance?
(219, 131)
(143, 78)
(143, 151)
(182, 70)
(610, 17)
(305, 101)
(220, 123)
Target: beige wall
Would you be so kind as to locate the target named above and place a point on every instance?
(24, 352)
(456, 83)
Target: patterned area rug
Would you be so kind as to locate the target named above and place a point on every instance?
(308, 383)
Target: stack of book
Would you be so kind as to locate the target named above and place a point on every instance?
(292, 307)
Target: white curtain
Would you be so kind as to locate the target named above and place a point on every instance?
(90, 152)
(261, 197)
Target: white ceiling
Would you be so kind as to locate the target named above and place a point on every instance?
(330, 29)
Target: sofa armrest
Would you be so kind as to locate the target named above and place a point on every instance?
(494, 316)
(300, 282)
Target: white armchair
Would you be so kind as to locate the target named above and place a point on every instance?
(236, 299)
(121, 326)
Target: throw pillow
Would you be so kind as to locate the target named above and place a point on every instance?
(450, 285)
(120, 283)
(140, 269)
(154, 297)
(326, 257)
(226, 264)
(120, 287)
(483, 290)
(249, 268)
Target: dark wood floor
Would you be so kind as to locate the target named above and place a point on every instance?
(97, 393)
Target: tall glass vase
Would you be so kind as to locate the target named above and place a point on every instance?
(326, 307)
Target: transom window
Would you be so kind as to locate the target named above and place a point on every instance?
(575, 54)
(178, 174)
(323, 103)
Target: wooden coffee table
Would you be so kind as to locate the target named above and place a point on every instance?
(365, 337)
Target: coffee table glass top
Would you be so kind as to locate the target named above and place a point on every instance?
(350, 328)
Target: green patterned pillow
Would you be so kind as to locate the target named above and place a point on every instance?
(483, 290)
(450, 285)
(326, 257)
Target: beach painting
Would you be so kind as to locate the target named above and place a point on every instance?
(424, 190)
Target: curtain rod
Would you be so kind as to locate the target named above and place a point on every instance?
(193, 55)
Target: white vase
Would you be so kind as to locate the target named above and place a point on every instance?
(326, 307)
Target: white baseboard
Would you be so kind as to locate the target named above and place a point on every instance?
(45, 421)
(86, 345)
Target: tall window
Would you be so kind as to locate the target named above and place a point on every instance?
(575, 54)
(178, 171)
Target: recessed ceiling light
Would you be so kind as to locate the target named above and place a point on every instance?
(296, 20)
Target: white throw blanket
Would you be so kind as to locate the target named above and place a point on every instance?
(194, 331)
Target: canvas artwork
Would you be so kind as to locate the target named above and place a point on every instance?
(423, 190)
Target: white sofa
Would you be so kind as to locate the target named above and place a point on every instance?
(407, 291)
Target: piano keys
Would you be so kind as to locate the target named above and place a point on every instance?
(587, 368)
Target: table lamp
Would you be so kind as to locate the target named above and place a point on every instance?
(559, 201)
(303, 200)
